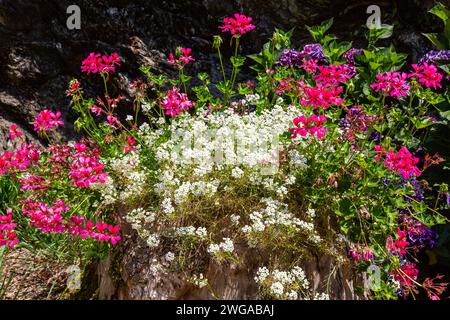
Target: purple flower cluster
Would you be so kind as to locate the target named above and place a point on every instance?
(419, 235)
(435, 56)
(356, 120)
(293, 58)
(350, 55)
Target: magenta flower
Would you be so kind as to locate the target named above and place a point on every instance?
(309, 65)
(46, 218)
(312, 125)
(333, 75)
(406, 275)
(130, 145)
(175, 102)
(96, 63)
(8, 237)
(427, 74)
(402, 162)
(183, 59)
(237, 26)
(321, 96)
(14, 132)
(392, 84)
(47, 120)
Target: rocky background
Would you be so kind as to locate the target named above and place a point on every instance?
(39, 56)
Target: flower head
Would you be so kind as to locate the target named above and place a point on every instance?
(312, 125)
(175, 102)
(237, 25)
(97, 63)
(47, 120)
(392, 83)
(427, 74)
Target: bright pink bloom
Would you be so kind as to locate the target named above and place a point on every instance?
(112, 121)
(96, 110)
(392, 84)
(406, 275)
(21, 159)
(34, 183)
(427, 74)
(333, 75)
(47, 120)
(96, 63)
(238, 25)
(86, 170)
(397, 247)
(74, 87)
(311, 125)
(46, 218)
(310, 65)
(13, 132)
(102, 232)
(321, 96)
(8, 237)
(175, 102)
(130, 145)
(183, 59)
(403, 162)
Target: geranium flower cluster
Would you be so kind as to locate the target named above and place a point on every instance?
(175, 102)
(98, 63)
(47, 120)
(427, 74)
(8, 236)
(322, 96)
(21, 159)
(237, 25)
(402, 162)
(309, 125)
(183, 58)
(333, 75)
(51, 219)
(392, 84)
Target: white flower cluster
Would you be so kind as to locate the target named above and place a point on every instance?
(130, 180)
(138, 218)
(226, 246)
(190, 231)
(275, 214)
(283, 284)
(199, 281)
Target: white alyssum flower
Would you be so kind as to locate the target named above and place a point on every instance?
(153, 240)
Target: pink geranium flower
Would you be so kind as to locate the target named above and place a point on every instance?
(47, 120)
(14, 132)
(427, 74)
(97, 63)
(321, 96)
(333, 75)
(8, 237)
(312, 125)
(183, 59)
(175, 102)
(402, 162)
(392, 84)
(237, 25)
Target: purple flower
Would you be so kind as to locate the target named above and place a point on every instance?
(289, 58)
(313, 51)
(293, 58)
(434, 56)
(350, 55)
